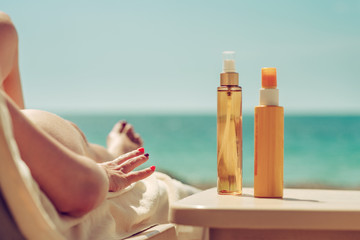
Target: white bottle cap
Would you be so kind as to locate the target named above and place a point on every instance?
(269, 96)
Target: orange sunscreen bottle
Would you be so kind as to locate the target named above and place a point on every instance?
(229, 129)
(269, 139)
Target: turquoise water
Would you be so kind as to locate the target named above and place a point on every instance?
(319, 150)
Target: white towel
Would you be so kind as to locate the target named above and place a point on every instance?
(141, 205)
(122, 214)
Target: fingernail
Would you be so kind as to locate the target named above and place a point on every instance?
(153, 168)
(146, 154)
(142, 150)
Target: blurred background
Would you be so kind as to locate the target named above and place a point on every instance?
(156, 64)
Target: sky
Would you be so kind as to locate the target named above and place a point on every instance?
(165, 56)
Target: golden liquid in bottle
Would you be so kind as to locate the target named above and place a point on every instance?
(229, 140)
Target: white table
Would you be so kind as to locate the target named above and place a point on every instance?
(301, 214)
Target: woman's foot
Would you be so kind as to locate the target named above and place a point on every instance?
(122, 139)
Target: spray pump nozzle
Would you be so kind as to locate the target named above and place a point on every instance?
(229, 61)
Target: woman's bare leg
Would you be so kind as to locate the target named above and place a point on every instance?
(68, 134)
(9, 66)
(121, 139)
(10, 82)
(54, 149)
(63, 131)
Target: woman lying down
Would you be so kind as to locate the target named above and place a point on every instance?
(89, 192)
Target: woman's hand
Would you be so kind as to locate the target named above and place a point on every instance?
(120, 173)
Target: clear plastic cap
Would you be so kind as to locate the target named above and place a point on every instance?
(229, 61)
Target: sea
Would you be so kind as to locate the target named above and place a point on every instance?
(319, 151)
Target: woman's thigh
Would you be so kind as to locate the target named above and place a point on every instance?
(68, 134)
(60, 129)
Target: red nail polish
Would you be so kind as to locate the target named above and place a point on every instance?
(142, 150)
(153, 168)
(146, 155)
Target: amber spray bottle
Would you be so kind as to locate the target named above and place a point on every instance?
(269, 139)
(229, 129)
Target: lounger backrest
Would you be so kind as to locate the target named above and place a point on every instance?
(8, 229)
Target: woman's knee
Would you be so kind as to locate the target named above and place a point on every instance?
(7, 27)
(8, 45)
(4, 17)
